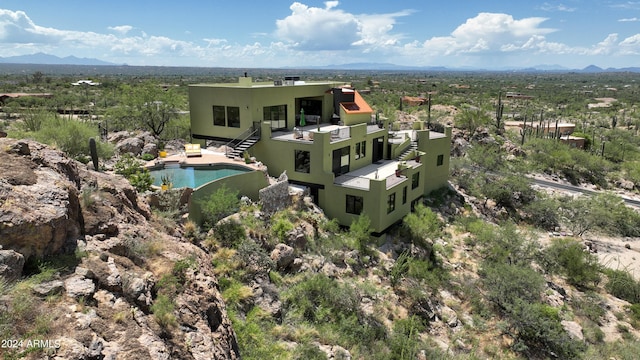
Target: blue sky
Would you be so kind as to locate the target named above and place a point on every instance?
(275, 33)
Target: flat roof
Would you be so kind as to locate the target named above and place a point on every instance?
(384, 169)
(266, 84)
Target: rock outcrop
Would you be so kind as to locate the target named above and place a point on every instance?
(109, 305)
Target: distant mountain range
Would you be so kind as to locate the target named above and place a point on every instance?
(46, 59)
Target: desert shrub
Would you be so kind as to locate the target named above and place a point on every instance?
(138, 176)
(505, 244)
(220, 204)
(68, 135)
(360, 233)
(147, 157)
(622, 285)
(254, 257)
(405, 342)
(591, 306)
(308, 351)
(422, 224)
(567, 257)
(162, 309)
(255, 336)
(505, 284)
(319, 299)
(538, 332)
(510, 191)
(229, 233)
(543, 213)
(281, 225)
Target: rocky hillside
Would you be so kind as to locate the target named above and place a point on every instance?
(90, 272)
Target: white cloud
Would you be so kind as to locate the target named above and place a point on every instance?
(633, 19)
(312, 28)
(556, 7)
(491, 32)
(330, 28)
(122, 29)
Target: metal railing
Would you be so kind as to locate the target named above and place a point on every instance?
(252, 131)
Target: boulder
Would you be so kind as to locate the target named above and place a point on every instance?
(131, 145)
(283, 256)
(48, 288)
(11, 264)
(78, 286)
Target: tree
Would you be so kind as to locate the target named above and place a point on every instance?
(148, 107)
(422, 225)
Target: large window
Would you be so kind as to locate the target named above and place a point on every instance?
(233, 115)
(391, 203)
(361, 150)
(354, 204)
(302, 161)
(415, 180)
(226, 116)
(219, 116)
(277, 115)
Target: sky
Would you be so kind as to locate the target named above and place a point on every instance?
(488, 34)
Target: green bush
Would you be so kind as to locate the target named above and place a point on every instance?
(423, 225)
(68, 135)
(220, 204)
(567, 256)
(360, 233)
(622, 285)
(229, 233)
(506, 285)
(138, 176)
(162, 310)
(281, 225)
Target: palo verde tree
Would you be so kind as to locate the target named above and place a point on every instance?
(146, 107)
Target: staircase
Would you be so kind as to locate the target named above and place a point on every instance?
(241, 147)
(413, 146)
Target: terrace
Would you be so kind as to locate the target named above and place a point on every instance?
(386, 170)
(305, 134)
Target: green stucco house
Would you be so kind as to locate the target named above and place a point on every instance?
(326, 137)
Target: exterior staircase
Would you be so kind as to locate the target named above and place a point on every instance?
(241, 147)
(413, 146)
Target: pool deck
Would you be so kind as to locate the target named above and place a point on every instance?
(208, 157)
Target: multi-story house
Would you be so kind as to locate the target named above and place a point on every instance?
(327, 138)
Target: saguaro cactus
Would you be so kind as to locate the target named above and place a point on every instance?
(94, 153)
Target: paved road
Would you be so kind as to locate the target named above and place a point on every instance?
(569, 187)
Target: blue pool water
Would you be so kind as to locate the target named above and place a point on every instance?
(193, 177)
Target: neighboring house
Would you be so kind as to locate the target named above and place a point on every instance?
(85, 82)
(326, 137)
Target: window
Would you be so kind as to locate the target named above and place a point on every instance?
(391, 203)
(415, 180)
(233, 114)
(354, 204)
(404, 195)
(277, 115)
(340, 161)
(302, 161)
(219, 116)
(361, 150)
(440, 160)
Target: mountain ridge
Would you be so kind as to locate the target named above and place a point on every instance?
(48, 59)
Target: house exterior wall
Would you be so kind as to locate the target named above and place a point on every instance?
(251, 98)
(278, 152)
(436, 173)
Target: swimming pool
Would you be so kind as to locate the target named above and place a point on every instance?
(194, 177)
